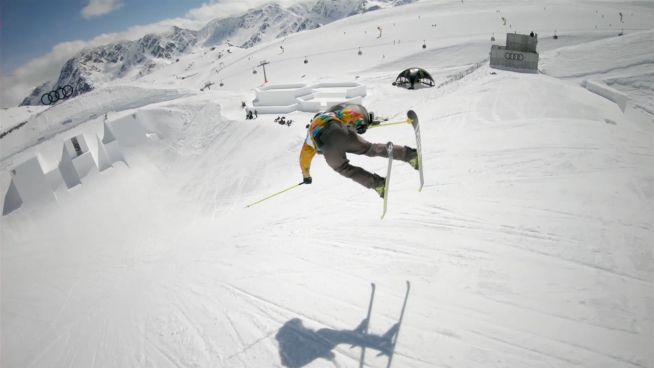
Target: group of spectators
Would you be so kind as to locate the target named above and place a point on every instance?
(253, 114)
(281, 120)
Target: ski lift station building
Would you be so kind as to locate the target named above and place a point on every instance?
(519, 54)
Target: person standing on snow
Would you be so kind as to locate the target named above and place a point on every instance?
(335, 133)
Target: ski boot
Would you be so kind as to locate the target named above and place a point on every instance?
(380, 185)
(412, 157)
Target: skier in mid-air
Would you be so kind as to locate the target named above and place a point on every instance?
(335, 133)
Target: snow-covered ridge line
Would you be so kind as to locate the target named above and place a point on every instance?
(603, 90)
(15, 127)
(81, 109)
(627, 51)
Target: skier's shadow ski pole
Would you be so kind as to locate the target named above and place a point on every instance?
(299, 345)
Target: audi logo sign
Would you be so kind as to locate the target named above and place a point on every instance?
(513, 56)
(60, 93)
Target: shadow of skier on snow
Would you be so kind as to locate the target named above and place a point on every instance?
(299, 346)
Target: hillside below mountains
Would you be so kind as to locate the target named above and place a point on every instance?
(92, 67)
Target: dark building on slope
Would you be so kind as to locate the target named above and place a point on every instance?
(519, 54)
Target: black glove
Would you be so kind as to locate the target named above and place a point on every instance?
(362, 128)
(307, 180)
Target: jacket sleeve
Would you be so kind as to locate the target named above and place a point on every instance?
(306, 155)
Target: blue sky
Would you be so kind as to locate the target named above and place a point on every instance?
(29, 28)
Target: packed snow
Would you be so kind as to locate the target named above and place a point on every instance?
(530, 244)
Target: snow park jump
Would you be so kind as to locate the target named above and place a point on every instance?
(180, 210)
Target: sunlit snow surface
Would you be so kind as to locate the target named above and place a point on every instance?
(529, 246)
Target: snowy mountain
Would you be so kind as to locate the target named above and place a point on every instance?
(35, 97)
(98, 65)
(134, 59)
(264, 23)
(530, 244)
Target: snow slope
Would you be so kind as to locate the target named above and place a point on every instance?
(61, 117)
(529, 246)
(10, 116)
(630, 73)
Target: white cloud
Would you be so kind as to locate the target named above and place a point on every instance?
(96, 8)
(225, 8)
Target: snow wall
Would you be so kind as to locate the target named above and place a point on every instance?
(285, 98)
(607, 92)
(31, 184)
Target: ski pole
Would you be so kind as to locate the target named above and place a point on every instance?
(275, 194)
(405, 121)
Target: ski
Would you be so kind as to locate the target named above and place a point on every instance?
(367, 323)
(389, 149)
(413, 118)
(399, 324)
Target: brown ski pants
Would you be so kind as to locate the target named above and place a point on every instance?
(336, 140)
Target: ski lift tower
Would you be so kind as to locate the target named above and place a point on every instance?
(263, 64)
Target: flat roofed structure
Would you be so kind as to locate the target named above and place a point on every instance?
(519, 54)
